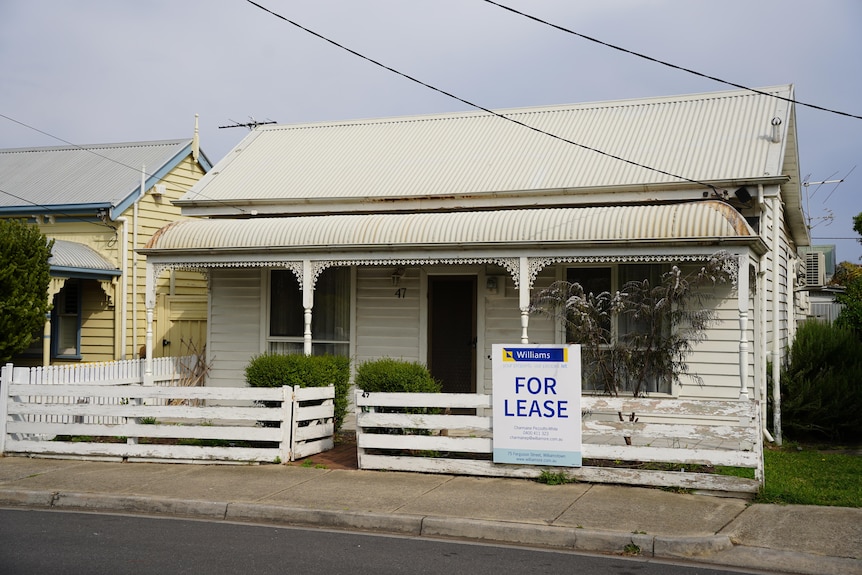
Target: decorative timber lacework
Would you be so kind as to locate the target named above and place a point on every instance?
(510, 264)
(317, 268)
(536, 265)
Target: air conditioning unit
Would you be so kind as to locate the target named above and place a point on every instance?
(815, 269)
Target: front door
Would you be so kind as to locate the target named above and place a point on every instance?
(452, 332)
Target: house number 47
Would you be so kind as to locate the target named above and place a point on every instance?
(401, 293)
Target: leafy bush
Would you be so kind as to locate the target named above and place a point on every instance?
(851, 300)
(821, 393)
(273, 370)
(397, 376)
(390, 375)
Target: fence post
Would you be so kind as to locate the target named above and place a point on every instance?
(757, 422)
(294, 421)
(358, 411)
(5, 381)
(285, 448)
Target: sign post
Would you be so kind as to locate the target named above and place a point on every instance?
(537, 404)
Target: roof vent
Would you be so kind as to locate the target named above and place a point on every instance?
(776, 130)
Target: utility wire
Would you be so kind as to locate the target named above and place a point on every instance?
(474, 105)
(668, 64)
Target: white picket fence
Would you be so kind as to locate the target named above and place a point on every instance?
(122, 419)
(674, 433)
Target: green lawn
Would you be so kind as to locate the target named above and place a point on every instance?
(808, 476)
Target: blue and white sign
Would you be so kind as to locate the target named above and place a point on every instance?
(537, 404)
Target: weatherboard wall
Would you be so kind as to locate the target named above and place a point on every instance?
(155, 210)
(234, 327)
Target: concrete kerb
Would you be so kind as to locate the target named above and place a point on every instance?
(21, 498)
(500, 532)
(140, 505)
(326, 518)
(690, 547)
(569, 538)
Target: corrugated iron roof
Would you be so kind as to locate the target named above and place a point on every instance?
(704, 137)
(708, 219)
(75, 258)
(100, 174)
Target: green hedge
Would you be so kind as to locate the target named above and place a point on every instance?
(821, 386)
(391, 375)
(273, 370)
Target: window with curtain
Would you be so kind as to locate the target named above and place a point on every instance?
(330, 317)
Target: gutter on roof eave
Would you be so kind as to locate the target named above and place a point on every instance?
(61, 209)
(490, 194)
(84, 273)
(754, 242)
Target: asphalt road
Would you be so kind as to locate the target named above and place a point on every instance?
(65, 543)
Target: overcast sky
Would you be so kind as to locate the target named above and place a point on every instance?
(104, 71)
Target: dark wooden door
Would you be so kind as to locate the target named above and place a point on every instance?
(452, 332)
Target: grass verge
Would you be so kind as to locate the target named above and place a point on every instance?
(808, 476)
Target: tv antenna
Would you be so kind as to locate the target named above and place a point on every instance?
(250, 125)
(830, 216)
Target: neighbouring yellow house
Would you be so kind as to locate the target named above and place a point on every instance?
(100, 203)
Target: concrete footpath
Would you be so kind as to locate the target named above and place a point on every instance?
(581, 517)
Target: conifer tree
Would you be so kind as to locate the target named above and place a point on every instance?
(24, 278)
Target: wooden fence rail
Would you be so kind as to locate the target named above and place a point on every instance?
(132, 421)
(670, 443)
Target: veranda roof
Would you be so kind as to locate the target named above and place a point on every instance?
(708, 222)
(72, 259)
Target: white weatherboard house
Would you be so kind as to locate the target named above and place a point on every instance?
(423, 238)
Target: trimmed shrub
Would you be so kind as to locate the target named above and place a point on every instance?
(821, 395)
(273, 370)
(395, 376)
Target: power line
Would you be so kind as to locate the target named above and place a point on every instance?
(668, 64)
(474, 105)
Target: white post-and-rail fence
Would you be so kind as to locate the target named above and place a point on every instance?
(672, 443)
(111, 415)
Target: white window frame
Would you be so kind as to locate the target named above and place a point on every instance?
(291, 344)
(615, 321)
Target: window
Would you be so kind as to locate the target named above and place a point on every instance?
(594, 281)
(66, 321)
(330, 318)
(618, 330)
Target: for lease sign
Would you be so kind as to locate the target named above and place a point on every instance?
(537, 404)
